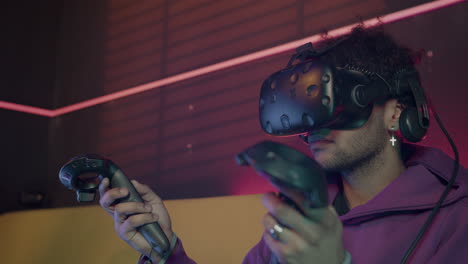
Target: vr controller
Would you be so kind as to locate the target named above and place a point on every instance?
(288, 168)
(75, 175)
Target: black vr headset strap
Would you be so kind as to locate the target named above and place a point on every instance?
(421, 102)
(414, 120)
(307, 51)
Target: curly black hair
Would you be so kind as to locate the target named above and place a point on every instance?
(372, 50)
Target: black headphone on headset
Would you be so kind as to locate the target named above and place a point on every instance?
(313, 95)
(414, 120)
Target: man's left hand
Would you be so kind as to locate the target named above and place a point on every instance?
(314, 238)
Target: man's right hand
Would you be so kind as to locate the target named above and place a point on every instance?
(130, 215)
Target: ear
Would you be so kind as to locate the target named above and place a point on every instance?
(392, 112)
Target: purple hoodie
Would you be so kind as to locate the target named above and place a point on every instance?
(382, 230)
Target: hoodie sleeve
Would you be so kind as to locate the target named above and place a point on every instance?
(453, 246)
(259, 254)
(178, 256)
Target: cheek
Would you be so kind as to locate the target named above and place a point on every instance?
(343, 140)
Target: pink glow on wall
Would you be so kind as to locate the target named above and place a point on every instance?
(389, 18)
(250, 183)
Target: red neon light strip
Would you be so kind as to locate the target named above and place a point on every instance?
(389, 18)
(27, 109)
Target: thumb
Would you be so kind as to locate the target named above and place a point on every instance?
(146, 192)
(331, 208)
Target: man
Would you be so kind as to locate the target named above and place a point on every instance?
(381, 191)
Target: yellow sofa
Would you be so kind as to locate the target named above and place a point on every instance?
(213, 230)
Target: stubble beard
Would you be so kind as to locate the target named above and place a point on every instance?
(363, 150)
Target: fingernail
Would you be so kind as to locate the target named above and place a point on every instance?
(123, 191)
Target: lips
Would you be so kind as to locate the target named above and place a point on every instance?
(318, 138)
(320, 144)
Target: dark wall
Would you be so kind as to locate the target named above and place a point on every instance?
(181, 139)
(52, 56)
(28, 51)
(30, 31)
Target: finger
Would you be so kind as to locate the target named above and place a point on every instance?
(323, 216)
(318, 214)
(134, 221)
(281, 211)
(146, 193)
(311, 228)
(107, 200)
(285, 235)
(275, 246)
(284, 249)
(331, 219)
(103, 186)
(123, 210)
(319, 223)
(297, 197)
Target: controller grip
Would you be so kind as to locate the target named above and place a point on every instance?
(290, 202)
(152, 231)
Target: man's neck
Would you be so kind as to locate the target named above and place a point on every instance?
(364, 182)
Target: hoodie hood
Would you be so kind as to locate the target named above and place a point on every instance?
(417, 189)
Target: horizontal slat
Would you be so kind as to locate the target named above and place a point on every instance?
(204, 105)
(128, 141)
(205, 138)
(239, 20)
(185, 92)
(144, 18)
(137, 155)
(117, 107)
(142, 63)
(130, 126)
(134, 52)
(212, 119)
(214, 177)
(206, 12)
(129, 10)
(131, 109)
(114, 5)
(327, 7)
(267, 38)
(151, 73)
(232, 33)
(218, 159)
(192, 161)
(137, 169)
(134, 38)
(341, 15)
(187, 6)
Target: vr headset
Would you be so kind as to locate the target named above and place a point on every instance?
(312, 95)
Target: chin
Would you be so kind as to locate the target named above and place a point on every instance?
(327, 158)
(322, 156)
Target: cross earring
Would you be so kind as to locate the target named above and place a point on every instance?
(393, 139)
